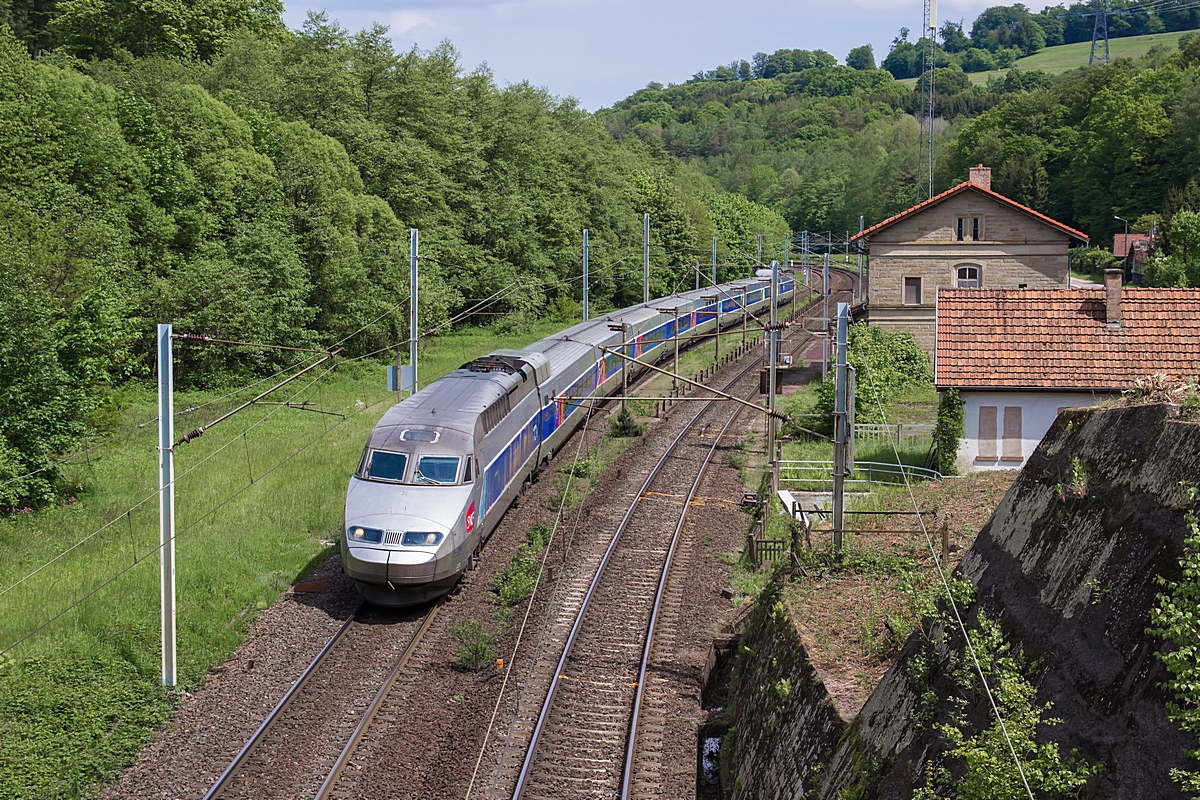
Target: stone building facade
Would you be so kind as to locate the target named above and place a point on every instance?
(967, 238)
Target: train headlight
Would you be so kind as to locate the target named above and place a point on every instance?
(357, 533)
(422, 539)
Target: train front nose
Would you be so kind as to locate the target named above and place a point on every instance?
(395, 549)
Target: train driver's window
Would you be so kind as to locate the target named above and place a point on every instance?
(467, 476)
(388, 466)
(436, 469)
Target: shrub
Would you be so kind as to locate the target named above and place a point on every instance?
(624, 426)
(476, 644)
(949, 431)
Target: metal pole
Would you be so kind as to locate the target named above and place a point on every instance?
(412, 307)
(675, 367)
(840, 408)
(585, 274)
(745, 312)
(825, 339)
(716, 300)
(697, 268)
(760, 250)
(166, 501)
(645, 258)
(772, 423)
(714, 277)
(625, 365)
(858, 246)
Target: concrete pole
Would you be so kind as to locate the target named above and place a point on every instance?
(840, 432)
(413, 322)
(714, 268)
(585, 274)
(645, 258)
(759, 262)
(166, 501)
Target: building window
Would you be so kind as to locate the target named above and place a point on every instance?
(1012, 435)
(968, 278)
(987, 433)
(973, 225)
(912, 291)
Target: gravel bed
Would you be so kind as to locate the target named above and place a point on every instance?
(213, 724)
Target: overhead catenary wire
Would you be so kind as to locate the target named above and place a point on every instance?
(529, 606)
(146, 556)
(125, 514)
(937, 562)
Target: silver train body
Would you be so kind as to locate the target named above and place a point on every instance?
(442, 466)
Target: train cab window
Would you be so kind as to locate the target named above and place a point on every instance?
(436, 469)
(387, 466)
(467, 476)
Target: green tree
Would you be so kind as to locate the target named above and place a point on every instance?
(1001, 27)
(861, 58)
(953, 38)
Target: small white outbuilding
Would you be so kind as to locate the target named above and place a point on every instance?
(1018, 356)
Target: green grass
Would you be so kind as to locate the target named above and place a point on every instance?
(82, 695)
(1066, 57)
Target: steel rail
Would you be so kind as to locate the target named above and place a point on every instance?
(235, 765)
(546, 705)
(658, 598)
(631, 748)
(376, 703)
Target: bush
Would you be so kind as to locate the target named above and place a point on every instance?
(624, 426)
(949, 431)
(885, 363)
(976, 59)
(476, 644)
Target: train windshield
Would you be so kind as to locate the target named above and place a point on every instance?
(436, 469)
(387, 466)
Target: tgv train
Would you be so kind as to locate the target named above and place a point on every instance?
(442, 466)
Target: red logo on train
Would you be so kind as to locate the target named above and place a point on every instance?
(471, 517)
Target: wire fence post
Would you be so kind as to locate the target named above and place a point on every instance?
(166, 501)
(412, 307)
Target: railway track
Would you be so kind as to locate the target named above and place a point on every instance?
(321, 710)
(322, 727)
(596, 712)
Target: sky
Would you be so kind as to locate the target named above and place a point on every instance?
(601, 51)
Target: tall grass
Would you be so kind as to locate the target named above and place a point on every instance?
(259, 500)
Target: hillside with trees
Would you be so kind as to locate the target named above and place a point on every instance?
(825, 143)
(211, 168)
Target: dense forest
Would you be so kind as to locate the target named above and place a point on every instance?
(244, 181)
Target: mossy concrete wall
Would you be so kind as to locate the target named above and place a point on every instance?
(784, 724)
(1067, 565)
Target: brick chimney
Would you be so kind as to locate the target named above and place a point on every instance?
(982, 176)
(1112, 296)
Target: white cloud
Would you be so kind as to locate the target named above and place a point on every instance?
(602, 50)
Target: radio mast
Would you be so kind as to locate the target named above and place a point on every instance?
(925, 165)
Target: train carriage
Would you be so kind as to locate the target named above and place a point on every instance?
(442, 466)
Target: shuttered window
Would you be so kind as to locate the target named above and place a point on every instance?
(912, 291)
(1012, 434)
(987, 433)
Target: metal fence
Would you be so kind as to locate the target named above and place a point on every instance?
(904, 436)
(817, 476)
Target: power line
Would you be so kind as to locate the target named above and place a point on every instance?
(937, 562)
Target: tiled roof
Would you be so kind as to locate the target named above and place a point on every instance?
(962, 187)
(1121, 243)
(1048, 338)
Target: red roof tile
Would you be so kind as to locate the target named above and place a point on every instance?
(962, 187)
(1059, 338)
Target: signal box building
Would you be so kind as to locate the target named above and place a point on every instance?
(968, 237)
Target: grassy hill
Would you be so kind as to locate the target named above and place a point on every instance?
(1069, 56)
